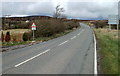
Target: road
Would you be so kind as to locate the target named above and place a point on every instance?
(69, 54)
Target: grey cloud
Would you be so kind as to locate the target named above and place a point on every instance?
(72, 9)
(91, 9)
(27, 8)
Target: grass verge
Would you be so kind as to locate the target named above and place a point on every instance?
(108, 44)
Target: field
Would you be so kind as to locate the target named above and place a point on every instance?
(16, 36)
(107, 45)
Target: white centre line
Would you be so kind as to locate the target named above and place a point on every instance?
(81, 32)
(63, 42)
(31, 58)
(73, 37)
(77, 34)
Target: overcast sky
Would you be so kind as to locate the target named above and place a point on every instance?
(73, 8)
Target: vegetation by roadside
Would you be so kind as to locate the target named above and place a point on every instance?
(37, 40)
(108, 50)
(47, 28)
(15, 37)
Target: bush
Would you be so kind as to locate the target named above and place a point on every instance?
(27, 36)
(100, 24)
(49, 27)
(71, 25)
(2, 37)
(7, 37)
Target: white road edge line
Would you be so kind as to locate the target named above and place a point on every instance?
(73, 37)
(95, 56)
(31, 58)
(63, 42)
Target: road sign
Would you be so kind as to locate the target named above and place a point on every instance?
(113, 19)
(33, 26)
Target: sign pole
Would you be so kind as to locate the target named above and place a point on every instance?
(33, 35)
(33, 28)
(117, 26)
(113, 19)
(109, 27)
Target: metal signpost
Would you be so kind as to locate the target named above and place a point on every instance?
(33, 28)
(113, 19)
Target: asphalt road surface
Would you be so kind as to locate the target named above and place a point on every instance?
(69, 54)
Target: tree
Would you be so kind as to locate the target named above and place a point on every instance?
(63, 16)
(2, 37)
(3, 23)
(8, 20)
(7, 37)
(58, 11)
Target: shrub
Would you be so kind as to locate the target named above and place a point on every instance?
(49, 27)
(7, 37)
(2, 37)
(71, 25)
(27, 36)
(100, 24)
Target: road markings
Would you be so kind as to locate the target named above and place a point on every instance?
(32, 58)
(95, 56)
(78, 34)
(81, 32)
(63, 42)
(73, 37)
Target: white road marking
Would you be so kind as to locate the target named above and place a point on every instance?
(63, 42)
(31, 58)
(95, 56)
(78, 34)
(73, 37)
(81, 32)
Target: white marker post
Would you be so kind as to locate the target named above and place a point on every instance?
(109, 26)
(33, 28)
(117, 26)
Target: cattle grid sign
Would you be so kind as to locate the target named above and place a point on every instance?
(113, 19)
(33, 28)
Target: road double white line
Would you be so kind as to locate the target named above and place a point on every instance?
(32, 58)
(63, 43)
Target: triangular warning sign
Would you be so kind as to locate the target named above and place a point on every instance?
(33, 25)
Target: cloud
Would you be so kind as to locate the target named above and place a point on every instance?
(91, 9)
(73, 8)
(27, 8)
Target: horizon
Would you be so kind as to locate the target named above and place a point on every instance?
(84, 10)
(16, 16)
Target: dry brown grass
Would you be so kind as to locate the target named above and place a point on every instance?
(16, 34)
(112, 33)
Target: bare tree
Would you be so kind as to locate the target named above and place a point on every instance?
(58, 11)
(63, 16)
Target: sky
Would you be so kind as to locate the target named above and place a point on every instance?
(87, 9)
